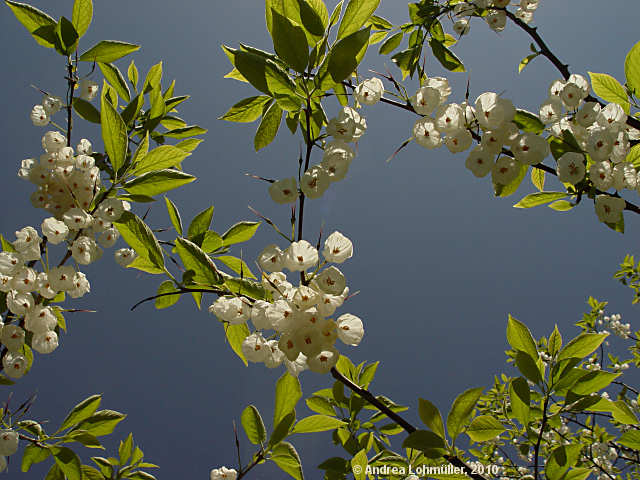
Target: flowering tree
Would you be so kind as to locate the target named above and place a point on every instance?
(550, 421)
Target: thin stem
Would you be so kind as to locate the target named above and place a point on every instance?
(539, 441)
(307, 113)
(369, 397)
(256, 461)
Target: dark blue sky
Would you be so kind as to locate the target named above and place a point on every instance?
(438, 261)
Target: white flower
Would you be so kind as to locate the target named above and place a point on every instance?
(331, 281)
(255, 348)
(15, 364)
(588, 114)
(223, 473)
(10, 263)
(426, 100)
(84, 147)
(44, 287)
(349, 125)
(309, 339)
(369, 92)
(314, 182)
(350, 329)
(572, 94)
(53, 141)
(111, 209)
(124, 256)
(497, 20)
(51, 104)
(551, 110)
(493, 140)
(27, 239)
(12, 337)
(442, 85)
(85, 250)
(611, 116)
(305, 297)
(81, 286)
(571, 168)
(77, 219)
(530, 148)
(555, 89)
(337, 159)
(88, 89)
(493, 111)
(609, 209)
(233, 310)
(323, 361)
(8, 442)
(461, 26)
(426, 134)
(295, 367)
(505, 170)
(19, 303)
(284, 191)
(259, 316)
(45, 342)
(84, 162)
(40, 319)
(281, 316)
(55, 230)
(5, 283)
(601, 174)
(459, 141)
(39, 116)
(274, 355)
(624, 176)
(480, 161)
(450, 118)
(270, 259)
(300, 256)
(337, 248)
(109, 237)
(621, 147)
(24, 280)
(599, 143)
(61, 278)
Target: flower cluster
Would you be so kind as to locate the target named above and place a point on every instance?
(613, 323)
(42, 113)
(304, 334)
(496, 17)
(223, 473)
(347, 127)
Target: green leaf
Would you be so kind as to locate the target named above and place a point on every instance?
(446, 57)
(359, 464)
(125, 449)
(484, 428)
(211, 242)
(189, 145)
(285, 456)
(235, 336)
(561, 459)
(185, 132)
(632, 69)
(623, 414)
(629, 439)
(200, 223)
(610, 90)
(114, 134)
(560, 146)
(174, 215)
(268, 128)
(555, 341)
(33, 454)
(195, 259)
(538, 178)
(290, 42)
(86, 110)
(108, 51)
(577, 474)
(520, 338)
(81, 411)
(581, 346)
(539, 198)
(526, 60)
(317, 423)
(347, 53)
(431, 417)
(240, 232)
(82, 15)
(633, 156)
(132, 74)
(85, 438)
(253, 425)
(429, 443)
(461, 410)
(391, 43)
(67, 37)
(68, 462)
(158, 181)
(102, 422)
(140, 475)
(506, 190)
(237, 265)
(561, 206)
(55, 473)
(246, 287)
(153, 78)
(32, 19)
(163, 157)
(140, 237)
(593, 382)
(247, 110)
(90, 473)
(288, 393)
(114, 76)
(166, 301)
(528, 367)
(320, 405)
(355, 16)
(528, 122)
(520, 397)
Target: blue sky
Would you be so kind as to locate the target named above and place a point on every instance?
(439, 262)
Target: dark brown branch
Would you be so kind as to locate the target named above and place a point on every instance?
(369, 397)
(180, 292)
